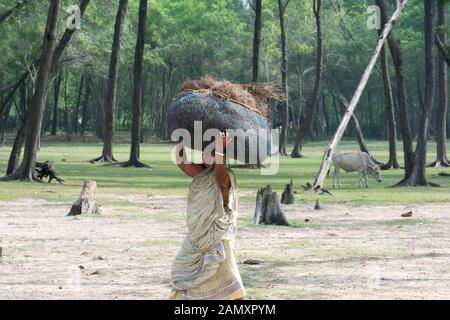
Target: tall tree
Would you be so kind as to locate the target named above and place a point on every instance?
(284, 78)
(257, 8)
(417, 175)
(111, 95)
(305, 126)
(137, 89)
(442, 93)
(77, 109)
(389, 101)
(402, 95)
(13, 161)
(55, 104)
(37, 105)
(84, 116)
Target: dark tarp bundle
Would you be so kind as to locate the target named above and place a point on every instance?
(222, 114)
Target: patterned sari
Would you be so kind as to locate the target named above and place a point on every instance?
(205, 266)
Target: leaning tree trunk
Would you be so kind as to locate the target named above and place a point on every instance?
(137, 89)
(5, 15)
(111, 95)
(417, 176)
(284, 79)
(442, 94)
(441, 46)
(268, 208)
(329, 151)
(256, 40)
(305, 126)
(355, 126)
(37, 105)
(363, 146)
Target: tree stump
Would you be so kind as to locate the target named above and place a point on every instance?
(288, 194)
(85, 204)
(317, 206)
(268, 208)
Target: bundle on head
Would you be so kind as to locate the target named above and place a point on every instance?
(252, 96)
(223, 105)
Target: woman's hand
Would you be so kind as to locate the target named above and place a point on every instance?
(222, 141)
(179, 152)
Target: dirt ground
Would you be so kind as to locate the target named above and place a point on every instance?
(340, 252)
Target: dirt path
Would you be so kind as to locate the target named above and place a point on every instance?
(342, 252)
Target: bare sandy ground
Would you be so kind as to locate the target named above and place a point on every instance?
(343, 252)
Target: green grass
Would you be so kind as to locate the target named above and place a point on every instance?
(166, 178)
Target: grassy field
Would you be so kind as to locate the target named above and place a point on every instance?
(357, 247)
(165, 178)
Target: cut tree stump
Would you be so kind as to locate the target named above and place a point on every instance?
(288, 194)
(317, 206)
(85, 204)
(268, 208)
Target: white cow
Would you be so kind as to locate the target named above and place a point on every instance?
(355, 161)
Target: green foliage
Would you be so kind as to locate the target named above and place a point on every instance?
(193, 38)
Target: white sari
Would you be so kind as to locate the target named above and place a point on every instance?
(205, 266)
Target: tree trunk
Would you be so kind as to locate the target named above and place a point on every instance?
(66, 111)
(268, 208)
(37, 105)
(305, 126)
(20, 135)
(111, 95)
(84, 117)
(402, 96)
(443, 50)
(390, 115)
(417, 174)
(357, 131)
(3, 121)
(137, 89)
(85, 204)
(442, 94)
(14, 157)
(55, 104)
(256, 40)
(329, 151)
(284, 79)
(77, 108)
